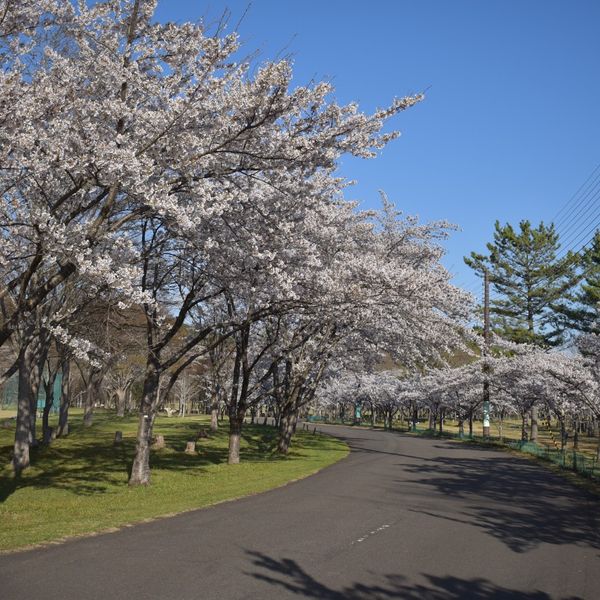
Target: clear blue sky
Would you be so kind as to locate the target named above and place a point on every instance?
(510, 127)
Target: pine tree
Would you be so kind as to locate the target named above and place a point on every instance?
(527, 279)
(581, 309)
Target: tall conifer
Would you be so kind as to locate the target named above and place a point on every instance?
(580, 310)
(527, 279)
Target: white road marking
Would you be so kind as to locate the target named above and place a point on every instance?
(378, 530)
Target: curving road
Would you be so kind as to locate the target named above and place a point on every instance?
(401, 517)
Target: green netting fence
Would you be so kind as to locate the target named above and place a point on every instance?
(9, 394)
(567, 459)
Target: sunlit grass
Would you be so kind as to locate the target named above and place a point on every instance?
(79, 484)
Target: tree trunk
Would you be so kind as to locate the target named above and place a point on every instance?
(121, 395)
(65, 399)
(23, 434)
(563, 435)
(235, 432)
(524, 418)
(140, 471)
(534, 424)
(287, 427)
(471, 424)
(214, 413)
(49, 389)
(214, 419)
(91, 395)
(39, 355)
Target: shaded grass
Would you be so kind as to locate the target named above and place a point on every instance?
(79, 485)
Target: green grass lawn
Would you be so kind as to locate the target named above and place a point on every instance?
(78, 485)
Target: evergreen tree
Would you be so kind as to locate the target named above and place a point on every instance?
(527, 280)
(581, 310)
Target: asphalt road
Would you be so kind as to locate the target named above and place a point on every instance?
(401, 517)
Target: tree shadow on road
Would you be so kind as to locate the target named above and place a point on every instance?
(512, 499)
(286, 574)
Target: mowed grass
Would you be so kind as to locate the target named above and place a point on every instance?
(78, 485)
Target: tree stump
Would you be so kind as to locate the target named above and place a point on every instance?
(190, 448)
(118, 437)
(202, 433)
(158, 442)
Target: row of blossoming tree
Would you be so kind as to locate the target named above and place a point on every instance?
(151, 168)
(524, 381)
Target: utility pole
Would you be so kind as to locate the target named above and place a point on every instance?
(486, 349)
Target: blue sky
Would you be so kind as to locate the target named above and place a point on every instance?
(510, 126)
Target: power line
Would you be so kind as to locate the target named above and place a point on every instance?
(590, 230)
(582, 215)
(555, 218)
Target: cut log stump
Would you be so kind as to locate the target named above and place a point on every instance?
(158, 443)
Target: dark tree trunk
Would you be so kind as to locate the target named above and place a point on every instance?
(390, 420)
(49, 390)
(563, 435)
(65, 399)
(91, 396)
(287, 426)
(524, 427)
(471, 424)
(140, 471)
